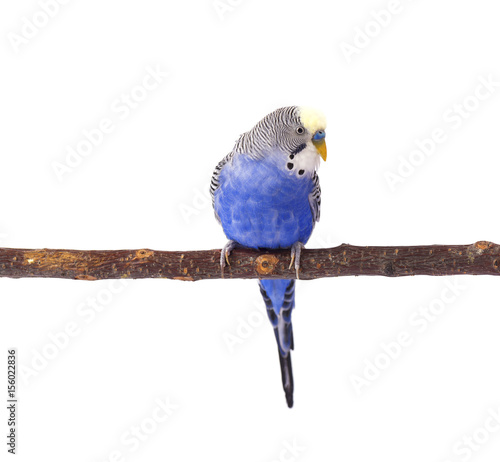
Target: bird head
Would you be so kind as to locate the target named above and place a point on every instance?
(293, 136)
(314, 122)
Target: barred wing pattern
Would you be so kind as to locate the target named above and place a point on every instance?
(315, 198)
(214, 183)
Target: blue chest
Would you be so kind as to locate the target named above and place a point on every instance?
(262, 205)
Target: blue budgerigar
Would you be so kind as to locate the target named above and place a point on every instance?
(266, 195)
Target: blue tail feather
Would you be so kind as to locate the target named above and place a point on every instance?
(279, 297)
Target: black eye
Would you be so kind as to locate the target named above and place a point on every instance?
(300, 130)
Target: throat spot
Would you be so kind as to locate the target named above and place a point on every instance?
(305, 162)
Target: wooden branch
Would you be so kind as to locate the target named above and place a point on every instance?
(345, 260)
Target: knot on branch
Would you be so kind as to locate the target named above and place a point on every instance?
(265, 264)
(483, 245)
(389, 269)
(478, 248)
(144, 253)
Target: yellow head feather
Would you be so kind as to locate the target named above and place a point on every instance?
(312, 119)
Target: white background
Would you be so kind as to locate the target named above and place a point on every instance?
(144, 186)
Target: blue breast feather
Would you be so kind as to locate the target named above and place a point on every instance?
(260, 205)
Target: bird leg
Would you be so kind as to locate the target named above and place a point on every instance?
(295, 253)
(224, 254)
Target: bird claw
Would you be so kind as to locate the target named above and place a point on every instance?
(296, 249)
(224, 255)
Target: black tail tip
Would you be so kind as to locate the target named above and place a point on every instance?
(287, 378)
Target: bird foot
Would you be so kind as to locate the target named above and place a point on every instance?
(295, 254)
(224, 254)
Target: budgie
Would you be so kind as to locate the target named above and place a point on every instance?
(266, 195)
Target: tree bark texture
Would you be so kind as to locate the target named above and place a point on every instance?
(480, 258)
